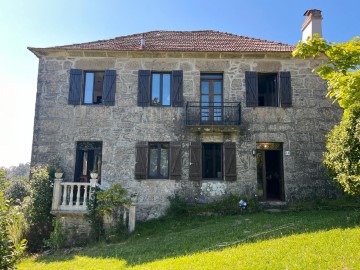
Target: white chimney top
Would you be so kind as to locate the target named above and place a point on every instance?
(312, 24)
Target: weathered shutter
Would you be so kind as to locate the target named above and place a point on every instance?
(144, 87)
(141, 160)
(75, 86)
(109, 88)
(251, 81)
(175, 160)
(285, 89)
(230, 161)
(177, 88)
(195, 161)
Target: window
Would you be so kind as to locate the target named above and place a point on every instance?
(212, 161)
(158, 160)
(160, 88)
(92, 87)
(268, 89)
(88, 158)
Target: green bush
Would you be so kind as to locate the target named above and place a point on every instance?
(342, 158)
(178, 206)
(38, 214)
(107, 202)
(10, 251)
(57, 239)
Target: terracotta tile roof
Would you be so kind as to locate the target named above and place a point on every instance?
(184, 41)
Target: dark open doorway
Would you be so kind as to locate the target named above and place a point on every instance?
(270, 171)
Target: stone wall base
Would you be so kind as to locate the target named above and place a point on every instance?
(76, 228)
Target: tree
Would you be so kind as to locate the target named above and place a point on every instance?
(341, 70)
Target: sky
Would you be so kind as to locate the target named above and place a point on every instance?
(46, 23)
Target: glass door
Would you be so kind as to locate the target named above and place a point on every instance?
(211, 97)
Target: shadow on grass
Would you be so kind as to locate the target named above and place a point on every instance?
(165, 238)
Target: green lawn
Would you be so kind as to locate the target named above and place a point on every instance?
(288, 240)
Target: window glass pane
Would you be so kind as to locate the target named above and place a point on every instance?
(166, 89)
(89, 88)
(205, 100)
(217, 87)
(204, 87)
(164, 161)
(153, 161)
(155, 89)
(98, 87)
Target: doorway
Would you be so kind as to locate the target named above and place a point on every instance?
(269, 165)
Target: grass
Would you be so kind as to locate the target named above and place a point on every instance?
(322, 239)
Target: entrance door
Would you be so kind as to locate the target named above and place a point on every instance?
(211, 97)
(270, 171)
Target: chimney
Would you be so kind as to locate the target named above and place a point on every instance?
(142, 42)
(312, 24)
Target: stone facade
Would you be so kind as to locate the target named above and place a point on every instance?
(301, 128)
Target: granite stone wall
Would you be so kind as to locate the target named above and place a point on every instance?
(301, 128)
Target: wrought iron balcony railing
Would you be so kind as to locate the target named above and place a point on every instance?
(213, 114)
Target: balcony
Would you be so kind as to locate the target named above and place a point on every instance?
(213, 117)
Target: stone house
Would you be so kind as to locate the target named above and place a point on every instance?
(202, 114)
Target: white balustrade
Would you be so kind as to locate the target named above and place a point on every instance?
(72, 197)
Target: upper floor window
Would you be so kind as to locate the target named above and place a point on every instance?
(92, 87)
(160, 88)
(268, 89)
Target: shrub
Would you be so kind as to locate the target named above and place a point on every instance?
(38, 214)
(10, 250)
(107, 203)
(57, 239)
(342, 158)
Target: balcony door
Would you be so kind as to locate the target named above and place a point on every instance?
(211, 97)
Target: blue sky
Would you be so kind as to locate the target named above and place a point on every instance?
(44, 23)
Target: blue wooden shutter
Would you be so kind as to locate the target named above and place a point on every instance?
(195, 161)
(141, 160)
(75, 86)
(251, 81)
(109, 88)
(177, 88)
(230, 161)
(285, 89)
(144, 88)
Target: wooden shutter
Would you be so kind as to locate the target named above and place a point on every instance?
(75, 86)
(141, 160)
(195, 161)
(177, 88)
(175, 160)
(251, 81)
(285, 89)
(230, 161)
(144, 87)
(109, 88)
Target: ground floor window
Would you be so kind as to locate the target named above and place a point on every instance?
(88, 158)
(212, 161)
(158, 160)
